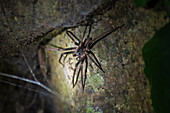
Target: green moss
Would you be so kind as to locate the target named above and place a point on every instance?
(93, 110)
(127, 51)
(95, 81)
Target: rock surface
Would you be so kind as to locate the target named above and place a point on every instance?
(123, 88)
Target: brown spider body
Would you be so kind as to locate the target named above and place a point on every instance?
(83, 53)
(82, 49)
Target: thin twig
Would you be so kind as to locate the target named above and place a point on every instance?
(13, 84)
(35, 83)
(28, 66)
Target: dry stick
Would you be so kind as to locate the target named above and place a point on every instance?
(35, 83)
(28, 66)
(13, 84)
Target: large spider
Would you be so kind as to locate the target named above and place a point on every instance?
(83, 52)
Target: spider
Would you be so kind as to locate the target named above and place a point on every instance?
(83, 52)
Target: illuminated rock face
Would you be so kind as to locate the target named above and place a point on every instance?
(122, 88)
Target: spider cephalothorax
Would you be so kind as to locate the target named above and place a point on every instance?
(83, 52)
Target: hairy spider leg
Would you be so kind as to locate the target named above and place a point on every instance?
(95, 58)
(85, 73)
(82, 74)
(84, 34)
(58, 48)
(89, 31)
(70, 34)
(95, 62)
(65, 57)
(63, 54)
(83, 80)
(75, 72)
(103, 35)
(77, 76)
